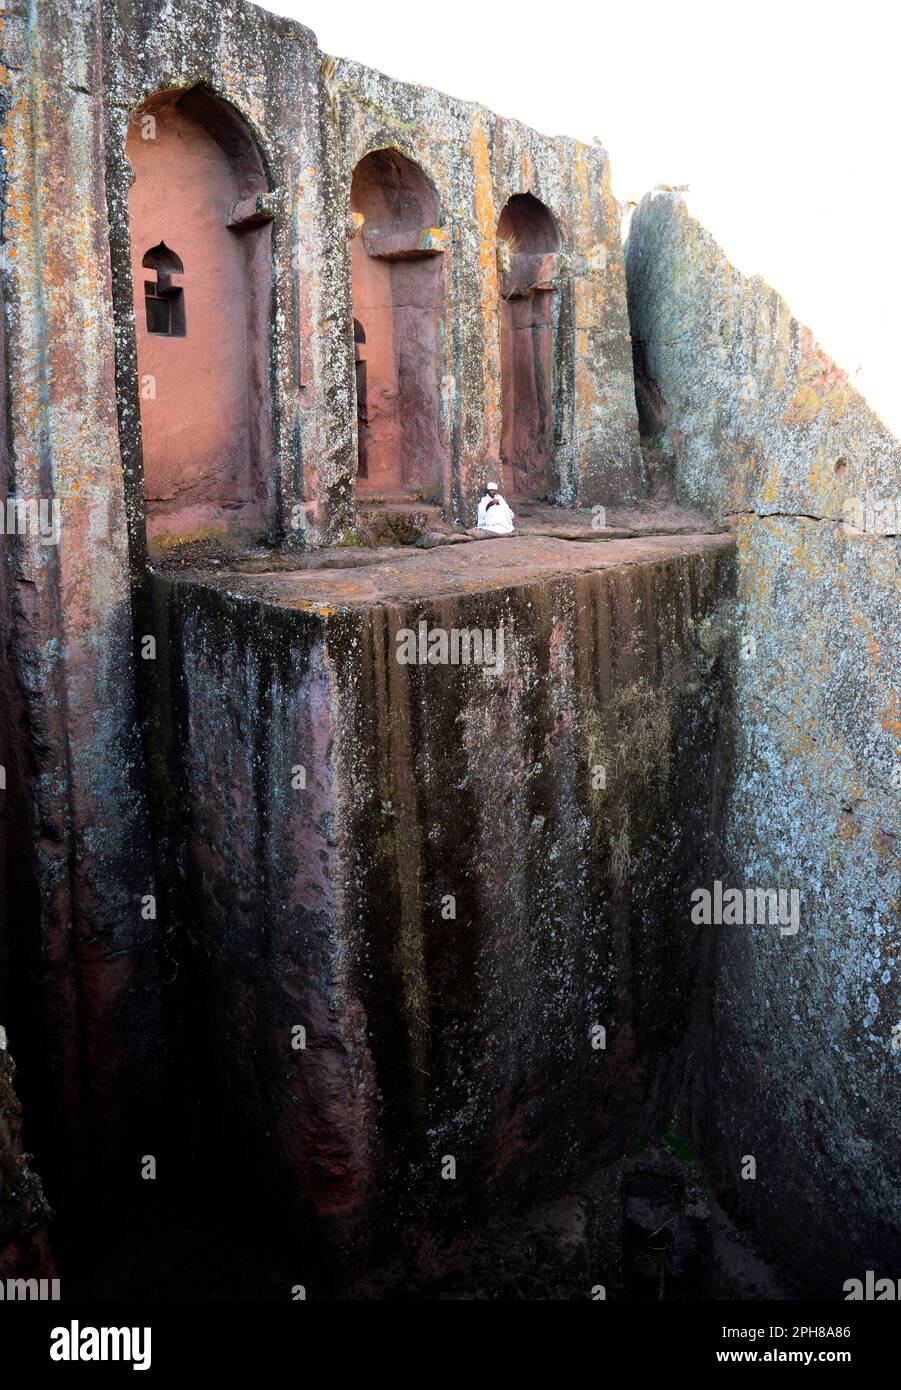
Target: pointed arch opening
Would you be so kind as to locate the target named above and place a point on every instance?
(396, 255)
(164, 301)
(201, 272)
(528, 243)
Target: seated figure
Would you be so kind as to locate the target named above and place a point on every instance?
(494, 515)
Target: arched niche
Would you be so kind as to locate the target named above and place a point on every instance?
(201, 269)
(528, 244)
(396, 256)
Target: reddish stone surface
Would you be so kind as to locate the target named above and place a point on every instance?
(526, 347)
(255, 430)
(395, 302)
(425, 1037)
(204, 392)
(321, 905)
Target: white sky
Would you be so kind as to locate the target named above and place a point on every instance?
(784, 118)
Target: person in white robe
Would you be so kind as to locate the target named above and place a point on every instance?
(493, 513)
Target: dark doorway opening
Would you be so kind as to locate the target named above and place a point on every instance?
(528, 243)
(396, 267)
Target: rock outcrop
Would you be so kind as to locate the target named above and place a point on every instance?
(467, 884)
(805, 1060)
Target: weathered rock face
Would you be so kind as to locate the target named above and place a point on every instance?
(314, 119)
(480, 871)
(407, 903)
(24, 1212)
(477, 162)
(84, 1006)
(766, 430)
(83, 943)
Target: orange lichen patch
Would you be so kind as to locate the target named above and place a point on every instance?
(580, 184)
(839, 403)
(589, 298)
(756, 583)
(738, 477)
(802, 747)
(821, 478)
(19, 136)
(806, 554)
(847, 827)
(486, 220)
(526, 167)
(891, 719)
(814, 742)
(804, 407)
(771, 486)
(322, 610)
(756, 575)
(859, 620)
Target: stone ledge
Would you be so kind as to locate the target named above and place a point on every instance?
(449, 570)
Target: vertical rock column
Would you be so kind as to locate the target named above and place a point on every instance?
(82, 955)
